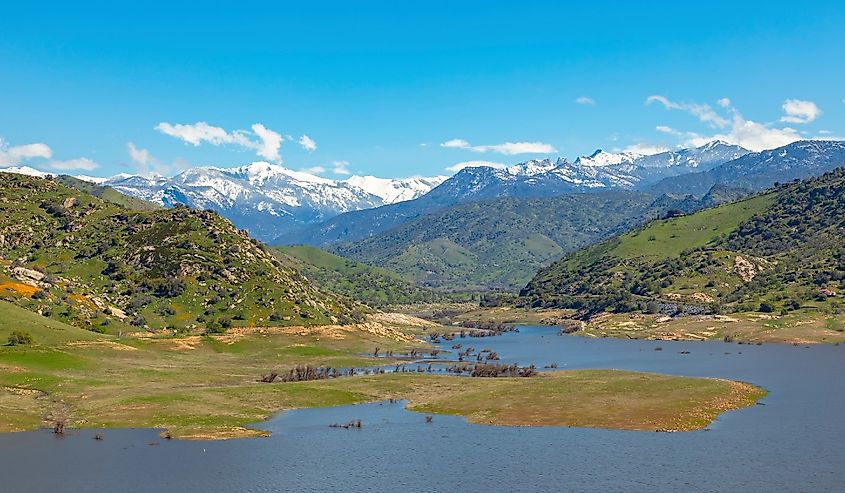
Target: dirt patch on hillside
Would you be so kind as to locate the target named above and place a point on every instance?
(102, 344)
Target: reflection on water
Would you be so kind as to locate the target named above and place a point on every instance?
(795, 442)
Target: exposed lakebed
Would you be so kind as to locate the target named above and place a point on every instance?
(795, 441)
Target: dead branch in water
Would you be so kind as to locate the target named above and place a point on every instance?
(490, 370)
(356, 423)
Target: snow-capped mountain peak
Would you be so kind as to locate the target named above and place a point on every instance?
(268, 199)
(261, 172)
(600, 170)
(24, 170)
(604, 158)
(531, 168)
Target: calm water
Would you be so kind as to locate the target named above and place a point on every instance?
(796, 442)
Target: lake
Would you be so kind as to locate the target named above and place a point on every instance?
(794, 442)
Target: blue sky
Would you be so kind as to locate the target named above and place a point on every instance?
(379, 88)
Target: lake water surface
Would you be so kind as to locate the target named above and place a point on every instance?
(795, 442)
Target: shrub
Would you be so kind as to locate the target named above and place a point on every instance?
(170, 287)
(99, 329)
(20, 338)
(214, 328)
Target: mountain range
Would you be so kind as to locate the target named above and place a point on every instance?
(263, 198)
(484, 227)
(537, 178)
(758, 170)
(499, 242)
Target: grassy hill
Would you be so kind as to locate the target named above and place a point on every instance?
(777, 251)
(106, 193)
(500, 244)
(42, 329)
(94, 264)
(372, 286)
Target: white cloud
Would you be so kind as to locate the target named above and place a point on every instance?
(676, 133)
(145, 164)
(307, 143)
(474, 164)
(511, 148)
(456, 143)
(341, 167)
(196, 133)
(798, 111)
(14, 155)
(668, 130)
(646, 149)
(701, 111)
(267, 145)
(82, 163)
(507, 148)
(314, 170)
(270, 142)
(749, 134)
(586, 100)
(140, 157)
(828, 136)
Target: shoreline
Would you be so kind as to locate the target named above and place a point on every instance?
(488, 401)
(743, 328)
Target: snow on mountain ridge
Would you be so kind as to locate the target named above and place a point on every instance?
(24, 170)
(601, 170)
(392, 190)
(604, 158)
(267, 198)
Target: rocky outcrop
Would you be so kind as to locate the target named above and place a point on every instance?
(745, 269)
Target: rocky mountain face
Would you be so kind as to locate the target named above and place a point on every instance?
(537, 178)
(599, 171)
(758, 170)
(283, 206)
(268, 199)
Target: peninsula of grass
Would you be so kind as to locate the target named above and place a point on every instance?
(207, 387)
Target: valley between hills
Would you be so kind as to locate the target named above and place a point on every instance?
(118, 312)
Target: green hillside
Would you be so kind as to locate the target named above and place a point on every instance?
(500, 244)
(42, 329)
(372, 286)
(106, 193)
(94, 264)
(777, 251)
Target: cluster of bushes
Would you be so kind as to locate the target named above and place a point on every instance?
(20, 338)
